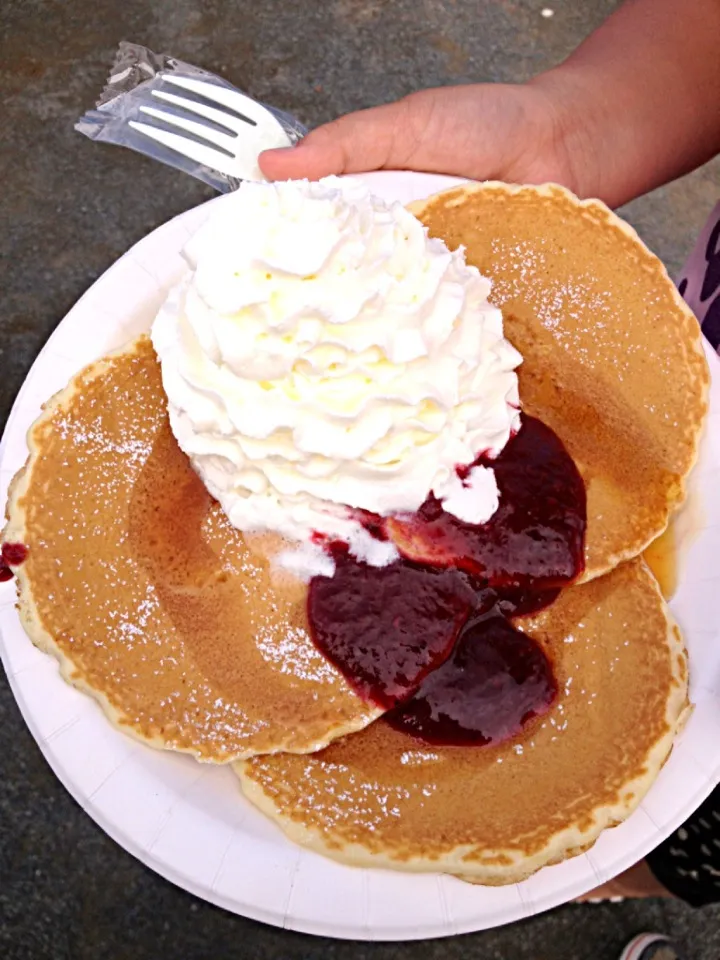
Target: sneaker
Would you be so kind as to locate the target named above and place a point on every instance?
(650, 946)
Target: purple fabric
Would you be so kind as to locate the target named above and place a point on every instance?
(699, 282)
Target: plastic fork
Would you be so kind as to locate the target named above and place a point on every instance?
(249, 129)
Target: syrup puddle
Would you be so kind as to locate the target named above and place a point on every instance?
(665, 554)
(661, 557)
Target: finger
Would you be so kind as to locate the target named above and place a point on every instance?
(373, 139)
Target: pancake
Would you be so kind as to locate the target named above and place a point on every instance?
(496, 814)
(151, 601)
(613, 358)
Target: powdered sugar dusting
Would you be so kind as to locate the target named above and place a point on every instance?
(153, 596)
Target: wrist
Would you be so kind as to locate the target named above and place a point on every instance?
(575, 126)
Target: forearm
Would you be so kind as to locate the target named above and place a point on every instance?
(636, 883)
(639, 100)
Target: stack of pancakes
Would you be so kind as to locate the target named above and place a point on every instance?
(192, 639)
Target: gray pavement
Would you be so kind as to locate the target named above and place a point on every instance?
(68, 208)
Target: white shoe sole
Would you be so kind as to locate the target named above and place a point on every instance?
(635, 949)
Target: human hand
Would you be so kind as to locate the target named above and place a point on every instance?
(633, 107)
(635, 883)
(511, 132)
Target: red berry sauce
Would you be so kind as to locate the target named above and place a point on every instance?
(496, 680)
(429, 635)
(534, 539)
(385, 628)
(12, 555)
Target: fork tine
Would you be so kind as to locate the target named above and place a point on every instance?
(211, 113)
(223, 140)
(189, 148)
(228, 98)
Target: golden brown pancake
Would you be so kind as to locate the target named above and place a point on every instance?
(496, 814)
(191, 639)
(149, 598)
(613, 358)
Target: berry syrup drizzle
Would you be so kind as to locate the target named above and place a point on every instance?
(12, 555)
(534, 539)
(429, 638)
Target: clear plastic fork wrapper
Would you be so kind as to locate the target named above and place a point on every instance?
(135, 73)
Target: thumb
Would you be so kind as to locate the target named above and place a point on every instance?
(367, 140)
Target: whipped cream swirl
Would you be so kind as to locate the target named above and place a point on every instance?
(323, 353)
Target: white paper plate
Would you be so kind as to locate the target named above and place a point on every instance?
(190, 823)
